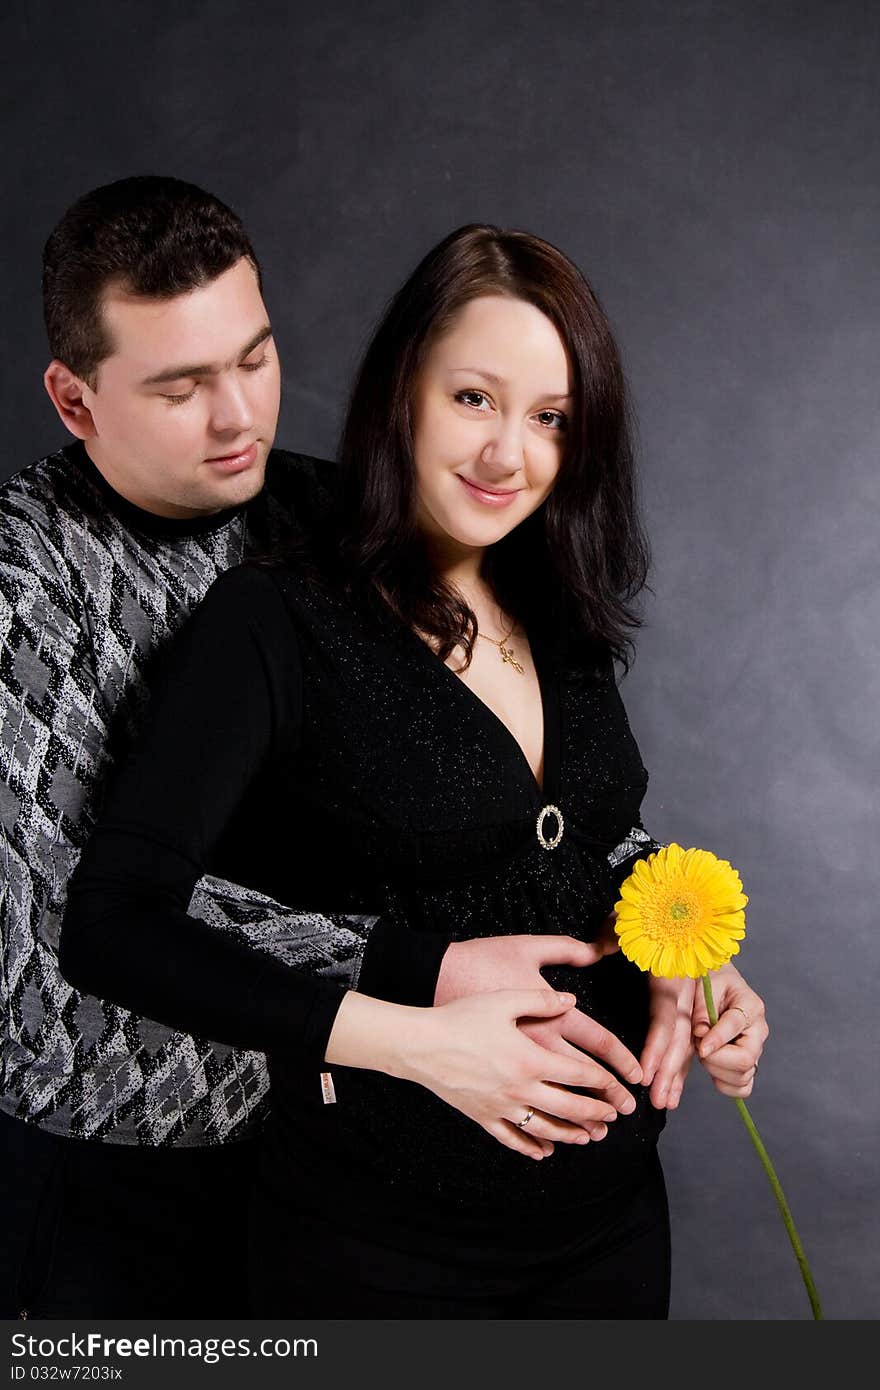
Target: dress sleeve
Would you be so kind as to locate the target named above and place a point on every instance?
(401, 965)
(229, 700)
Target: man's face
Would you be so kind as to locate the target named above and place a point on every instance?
(185, 408)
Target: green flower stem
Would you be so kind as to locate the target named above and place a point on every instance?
(771, 1174)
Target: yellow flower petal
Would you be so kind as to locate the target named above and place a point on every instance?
(680, 912)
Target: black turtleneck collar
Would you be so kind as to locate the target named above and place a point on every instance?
(136, 518)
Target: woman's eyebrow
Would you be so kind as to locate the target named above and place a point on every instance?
(480, 371)
(499, 381)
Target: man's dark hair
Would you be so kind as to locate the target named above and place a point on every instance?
(151, 236)
(583, 552)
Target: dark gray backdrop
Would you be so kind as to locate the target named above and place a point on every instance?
(714, 169)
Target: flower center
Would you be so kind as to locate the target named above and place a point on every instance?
(674, 916)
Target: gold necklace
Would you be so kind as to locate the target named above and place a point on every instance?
(507, 653)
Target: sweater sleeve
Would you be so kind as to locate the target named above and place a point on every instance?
(229, 700)
(637, 844)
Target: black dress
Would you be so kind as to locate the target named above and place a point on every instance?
(322, 753)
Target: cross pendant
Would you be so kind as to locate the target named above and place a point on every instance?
(507, 655)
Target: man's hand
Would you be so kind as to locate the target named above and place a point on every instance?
(515, 962)
(512, 962)
(731, 1049)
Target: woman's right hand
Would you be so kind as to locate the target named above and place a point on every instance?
(475, 1057)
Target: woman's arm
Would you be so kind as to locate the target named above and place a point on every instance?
(678, 1017)
(230, 700)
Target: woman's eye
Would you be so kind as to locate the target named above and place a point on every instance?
(475, 399)
(255, 366)
(552, 419)
(179, 400)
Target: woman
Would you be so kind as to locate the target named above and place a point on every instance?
(417, 714)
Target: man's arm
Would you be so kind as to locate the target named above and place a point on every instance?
(63, 683)
(55, 740)
(52, 737)
(364, 952)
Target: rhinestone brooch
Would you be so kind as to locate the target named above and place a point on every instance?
(543, 841)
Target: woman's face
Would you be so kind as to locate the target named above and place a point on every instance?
(491, 412)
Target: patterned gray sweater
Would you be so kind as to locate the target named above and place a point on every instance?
(91, 589)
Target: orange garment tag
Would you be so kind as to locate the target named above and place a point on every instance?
(328, 1090)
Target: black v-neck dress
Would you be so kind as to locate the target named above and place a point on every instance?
(324, 755)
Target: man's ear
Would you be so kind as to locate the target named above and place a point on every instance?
(66, 394)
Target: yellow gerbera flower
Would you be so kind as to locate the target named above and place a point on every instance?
(681, 912)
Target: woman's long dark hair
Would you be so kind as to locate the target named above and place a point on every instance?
(582, 553)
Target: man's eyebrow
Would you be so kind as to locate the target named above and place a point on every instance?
(207, 368)
(499, 381)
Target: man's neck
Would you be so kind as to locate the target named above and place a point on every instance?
(115, 478)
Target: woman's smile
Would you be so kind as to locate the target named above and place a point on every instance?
(491, 418)
(488, 496)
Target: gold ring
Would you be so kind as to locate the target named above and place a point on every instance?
(741, 1010)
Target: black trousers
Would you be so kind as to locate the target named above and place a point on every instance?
(111, 1230)
(615, 1265)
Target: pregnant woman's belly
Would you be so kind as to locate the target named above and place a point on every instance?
(402, 1138)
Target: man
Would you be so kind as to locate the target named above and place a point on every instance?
(128, 1145)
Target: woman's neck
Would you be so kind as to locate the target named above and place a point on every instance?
(467, 578)
(462, 568)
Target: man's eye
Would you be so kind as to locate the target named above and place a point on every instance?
(476, 399)
(255, 366)
(179, 400)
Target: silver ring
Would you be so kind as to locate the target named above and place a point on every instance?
(521, 1124)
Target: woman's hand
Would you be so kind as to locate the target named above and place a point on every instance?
(515, 962)
(669, 1049)
(730, 1051)
(473, 1054)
